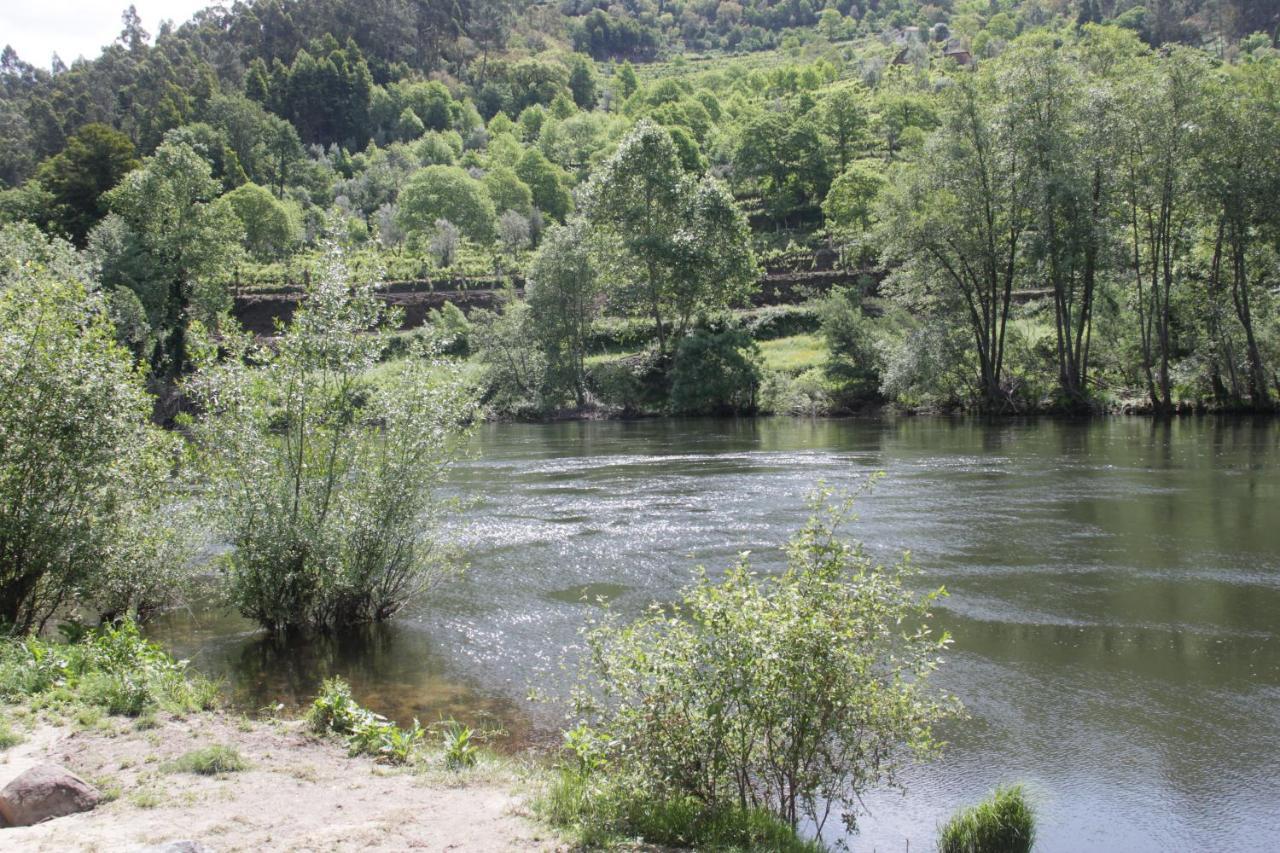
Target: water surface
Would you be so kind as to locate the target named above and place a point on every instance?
(1115, 600)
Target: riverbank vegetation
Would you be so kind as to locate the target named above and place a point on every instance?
(1030, 206)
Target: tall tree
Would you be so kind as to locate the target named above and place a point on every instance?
(957, 220)
(187, 243)
(675, 246)
(95, 159)
(562, 291)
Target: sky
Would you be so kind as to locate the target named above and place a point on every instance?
(39, 28)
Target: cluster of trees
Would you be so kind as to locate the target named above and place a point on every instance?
(1133, 193)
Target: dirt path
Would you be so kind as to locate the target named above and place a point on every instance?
(298, 794)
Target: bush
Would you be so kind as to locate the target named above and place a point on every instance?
(82, 470)
(783, 695)
(325, 482)
(1003, 823)
(112, 668)
(210, 761)
(715, 373)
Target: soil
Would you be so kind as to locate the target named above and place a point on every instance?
(299, 793)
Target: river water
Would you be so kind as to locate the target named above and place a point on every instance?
(1114, 597)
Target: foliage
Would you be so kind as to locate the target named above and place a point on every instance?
(853, 361)
(335, 711)
(326, 484)
(270, 226)
(447, 192)
(715, 373)
(791, 694)
(97, 156)
(111, 667)
(182, 244)
(562, 294)
(459, 745)
(676, 246)
(1002, 823)
(83, 474)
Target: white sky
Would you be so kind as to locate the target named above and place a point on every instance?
(71, 28)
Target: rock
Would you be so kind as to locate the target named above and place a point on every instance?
(43, 793)
(178, 847)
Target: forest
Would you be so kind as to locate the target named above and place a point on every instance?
(1004, 207)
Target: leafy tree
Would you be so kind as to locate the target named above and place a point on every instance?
(508, 191)
(326, 485)
(185, 243)
(82, 471)
(850, 204)
(845, 122)
(95, 159)
(627, 82)
(956, 220)
(447, 192)
(783, 155)
(715, 373)
(547, 183)
(562, 291)
(791, 694)
(582, 82)
(270, 226)
(675, 246)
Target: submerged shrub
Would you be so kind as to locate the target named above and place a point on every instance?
(789, 695)
(325, 482)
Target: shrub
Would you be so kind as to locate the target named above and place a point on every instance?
(715, 373)
(325, 482)
(460, 745)
(82, 470)
(1002, 823)
(8, 737)
(787, 695)
(210, 761)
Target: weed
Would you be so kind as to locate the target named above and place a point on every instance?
(461, 751)
(8, 737)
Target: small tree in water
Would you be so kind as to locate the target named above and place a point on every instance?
(790, 694)
(326, 482)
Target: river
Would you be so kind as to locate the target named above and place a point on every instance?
(1114, 597)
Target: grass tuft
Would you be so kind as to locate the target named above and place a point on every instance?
(1002, 823)
(210, 761)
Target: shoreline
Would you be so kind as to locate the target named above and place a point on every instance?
(297, 791)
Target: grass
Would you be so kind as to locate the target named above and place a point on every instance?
(1002, 823)
(210, 761)
(8, 737)
(794, 355)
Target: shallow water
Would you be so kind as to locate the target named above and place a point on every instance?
(1115, 600)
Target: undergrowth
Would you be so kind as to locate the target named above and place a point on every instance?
(112, 668)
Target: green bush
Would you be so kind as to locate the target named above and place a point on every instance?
(1002, 823)
(210, 761)
(634, 385)
(782, 695)
(112, 668)
(8, 737)
(715, 373)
